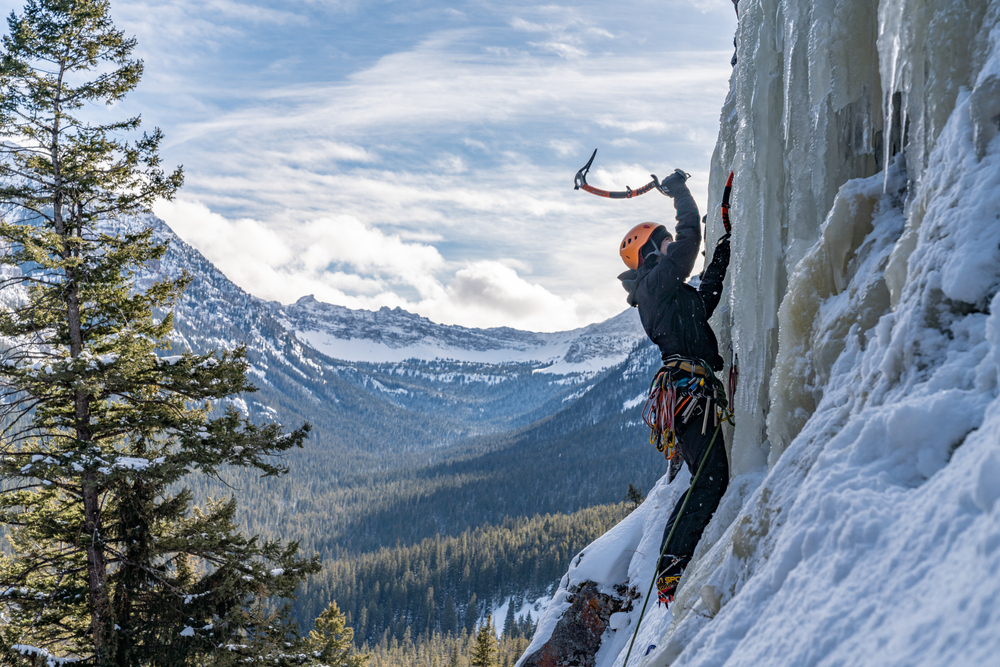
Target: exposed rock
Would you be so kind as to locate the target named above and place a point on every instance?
(577, 636)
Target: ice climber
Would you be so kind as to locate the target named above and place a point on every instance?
(685, 396)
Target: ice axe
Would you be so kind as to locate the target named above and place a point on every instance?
(580, 183)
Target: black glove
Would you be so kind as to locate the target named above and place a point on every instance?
(673, 184)
(724, 239)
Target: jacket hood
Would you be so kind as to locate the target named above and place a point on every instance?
(630, 279)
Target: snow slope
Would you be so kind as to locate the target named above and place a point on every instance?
(862, 526)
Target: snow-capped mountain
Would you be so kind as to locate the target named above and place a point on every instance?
(460, 431)
(363, 378)
(390, 335)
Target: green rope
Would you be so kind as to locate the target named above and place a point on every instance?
(670, 536)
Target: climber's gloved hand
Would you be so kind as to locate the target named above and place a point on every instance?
(673, 184)
(724, 239)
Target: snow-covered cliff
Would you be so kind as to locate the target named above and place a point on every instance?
(862, 525)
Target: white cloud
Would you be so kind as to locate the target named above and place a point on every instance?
(267, 264)
(499, 292)
(424, 158)
(520, 24)
(253, 253)
(217, 236)
(321, 151)
(451, 164)
(564, 148)
(634, 126)
(561, 49)
(243, 12)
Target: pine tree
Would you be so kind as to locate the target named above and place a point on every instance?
(471, 615)
(485, 650)
(509, 623)
(114, 565)
(634, 498)
(332, 641)
(449, 621)
(429, 612)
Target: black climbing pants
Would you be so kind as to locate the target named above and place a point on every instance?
(705, 497)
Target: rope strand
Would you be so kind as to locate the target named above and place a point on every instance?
(666, 542)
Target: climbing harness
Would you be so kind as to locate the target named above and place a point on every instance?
(580, 183)
(670, 536)
(678, 390)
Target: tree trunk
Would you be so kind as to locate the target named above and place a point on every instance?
(101, 617)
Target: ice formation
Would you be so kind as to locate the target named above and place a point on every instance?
(862, 525)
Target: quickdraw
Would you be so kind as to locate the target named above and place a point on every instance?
(681, 389)
(734, 373)
(580, 183)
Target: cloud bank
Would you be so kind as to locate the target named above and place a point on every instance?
(422, 155)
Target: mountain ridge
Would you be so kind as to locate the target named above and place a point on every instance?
(397, 335)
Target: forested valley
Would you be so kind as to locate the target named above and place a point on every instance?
(448, 584)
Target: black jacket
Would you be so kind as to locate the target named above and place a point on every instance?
(674, 314)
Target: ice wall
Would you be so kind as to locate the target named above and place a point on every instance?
(862, 526)
(810, 98)
(866, 261)
(804, 116)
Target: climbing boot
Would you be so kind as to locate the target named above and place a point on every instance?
(671, 568)
(666, 586)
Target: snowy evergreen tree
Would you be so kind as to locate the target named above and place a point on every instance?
(485, 650)
(449, 621)
(113, 564)
(471, 614)
(429, 609)
(332, 641)
(634, 498)
(509, 622)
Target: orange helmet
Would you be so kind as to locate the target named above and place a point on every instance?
(633, 242)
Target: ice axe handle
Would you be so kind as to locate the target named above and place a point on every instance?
(725, 204)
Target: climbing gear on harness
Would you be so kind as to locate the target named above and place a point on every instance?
(580, 183)
(670, 536)
(680, 388)
(725, 204)
(633, 242)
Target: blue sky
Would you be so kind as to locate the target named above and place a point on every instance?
(421, 154)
